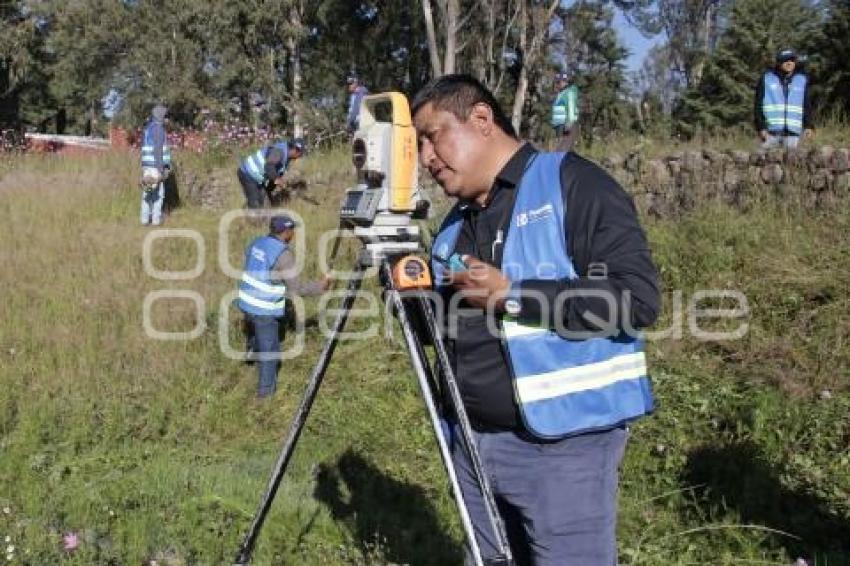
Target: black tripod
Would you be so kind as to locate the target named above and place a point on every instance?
(428, 386)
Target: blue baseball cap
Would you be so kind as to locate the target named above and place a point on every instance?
(278, 224)
(786, 55)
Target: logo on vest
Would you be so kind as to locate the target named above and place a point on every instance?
(258, 254)
(535, 215)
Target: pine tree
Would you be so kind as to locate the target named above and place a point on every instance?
(831, 61)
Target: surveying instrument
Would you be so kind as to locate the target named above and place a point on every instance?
(379, 211)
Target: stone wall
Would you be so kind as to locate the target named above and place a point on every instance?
(817, 177)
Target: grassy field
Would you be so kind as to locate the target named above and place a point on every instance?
(156, 451)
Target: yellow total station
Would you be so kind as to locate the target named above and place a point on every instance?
(385, 150)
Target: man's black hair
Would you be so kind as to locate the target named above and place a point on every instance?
(458, 94)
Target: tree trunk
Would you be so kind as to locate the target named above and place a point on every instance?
(529, 51)
(451, 27)
(433, 49)
(293, 43)
(522, 80)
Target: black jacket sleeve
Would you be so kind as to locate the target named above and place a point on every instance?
(808, 123)
(758, 115)
(273, 157)
(610, 254)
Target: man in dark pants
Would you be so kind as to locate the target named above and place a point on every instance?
(553, 249)
(268, 278)
(261, 171)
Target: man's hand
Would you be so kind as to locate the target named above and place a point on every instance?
(279, 182)
(763, 135)
(481, 284)
(325, 282)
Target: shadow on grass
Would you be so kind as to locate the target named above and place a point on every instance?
(171, 200)
(737, 477)
(378, 509)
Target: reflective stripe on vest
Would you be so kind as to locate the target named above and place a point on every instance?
(148, 148)
(783, 113)
(258, 294)
(255, 164)
(562, 387)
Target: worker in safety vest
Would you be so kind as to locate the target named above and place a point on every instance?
(156, 166)
(269, 277)
(565, 112)
(544, 275)
(782, 106)
(261, 171)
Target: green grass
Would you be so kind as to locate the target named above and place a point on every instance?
(155, 450)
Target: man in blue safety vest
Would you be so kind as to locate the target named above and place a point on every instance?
(156, 165)
(269, 276)
(783, 111)
(260, 172)
(356, 92)
(556, 275)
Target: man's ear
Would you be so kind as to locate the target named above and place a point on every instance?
(481, 117)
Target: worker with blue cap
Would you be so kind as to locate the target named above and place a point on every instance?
(269, 277)
(783, 108)
(263, 170)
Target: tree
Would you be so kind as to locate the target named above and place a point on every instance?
(831, 60)
(23, 60)
(535, 21)
(657, 80)
(691, 28)
(590, 49)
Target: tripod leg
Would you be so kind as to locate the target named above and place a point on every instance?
(423, 374)
(466, 432)
(300, 417)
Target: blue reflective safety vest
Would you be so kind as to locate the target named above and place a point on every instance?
(562, 387)
(255, 164)
(258, 293)
(565, 107)
(148, 146)
(780, 112)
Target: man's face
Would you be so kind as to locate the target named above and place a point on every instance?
(287, 235)
(352, 86)
(560, 84)
(788, 66)
(452, 151)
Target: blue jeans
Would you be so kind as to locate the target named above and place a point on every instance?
(152, 205)
(558, 499)
(264, 342)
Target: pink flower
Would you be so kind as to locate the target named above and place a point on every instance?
(70, 542)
